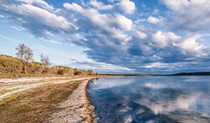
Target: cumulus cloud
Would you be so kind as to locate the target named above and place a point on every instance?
(153, 20)
(141, 35)
(111, 43)
(120, 40)
(124, 22)
(191, 45)
(187, 15)
(113, 26)
(127, 6)
(162, 39)
(35, 19)
(101, 6)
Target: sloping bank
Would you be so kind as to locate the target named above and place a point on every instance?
(76, 108)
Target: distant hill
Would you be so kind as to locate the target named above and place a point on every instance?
(177, 74)
(192, 74)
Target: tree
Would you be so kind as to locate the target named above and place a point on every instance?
(25, 54)
(45, 60)
(90, 72)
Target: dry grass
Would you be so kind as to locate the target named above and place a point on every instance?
(8, 75)
(35, 105)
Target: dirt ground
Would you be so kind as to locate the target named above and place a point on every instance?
(36, 104)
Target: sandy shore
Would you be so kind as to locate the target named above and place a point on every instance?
(76, 108)
(12, 86)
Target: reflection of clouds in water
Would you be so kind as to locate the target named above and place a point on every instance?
(128, 119)
(111, 83)
(155, 85)
(180, 103)
(196, 79)
(160, 85)
(151, 121)
(151, 99)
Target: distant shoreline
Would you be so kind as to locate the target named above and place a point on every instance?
(176, 74)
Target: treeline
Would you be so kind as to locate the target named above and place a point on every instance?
(24, 64)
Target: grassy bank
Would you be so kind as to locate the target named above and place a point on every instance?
(25, 75)
(35, 105)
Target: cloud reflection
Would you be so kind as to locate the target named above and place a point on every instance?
(151, 99)
(181, 103)
(155, 85)
(111, 83)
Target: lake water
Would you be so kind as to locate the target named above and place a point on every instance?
(156, 99)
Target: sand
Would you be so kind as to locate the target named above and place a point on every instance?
(76, 108)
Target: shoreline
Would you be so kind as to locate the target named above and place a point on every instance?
(76, 108)
(89, 107)
(47, 100)
(52, 96)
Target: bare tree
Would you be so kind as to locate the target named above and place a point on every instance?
(25, 54)
(45, 60)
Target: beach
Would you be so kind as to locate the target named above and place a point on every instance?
(76, 108)
(54, 100)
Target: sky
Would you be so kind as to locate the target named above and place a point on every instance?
(111, 36)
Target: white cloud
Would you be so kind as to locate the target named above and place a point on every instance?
(190, 45)
(99, 66)
(158, 65)
(141, 35)
(1, 16)
(39, 15)
(124, 22)
(162, 39)
(100, 6)
(47, 32)
(73, 6)
(18, 28)
(105, 21)
(92, 14)
(153, 20)
(172, 36)
(176, 5)
(187, 15)
(42, 3)
(127, 6)
(51, 41)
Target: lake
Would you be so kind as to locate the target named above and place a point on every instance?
(158, 99)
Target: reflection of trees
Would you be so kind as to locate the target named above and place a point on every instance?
(91, 81)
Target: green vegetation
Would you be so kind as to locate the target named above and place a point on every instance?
(24, 66)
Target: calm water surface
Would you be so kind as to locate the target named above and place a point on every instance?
(151, 99)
